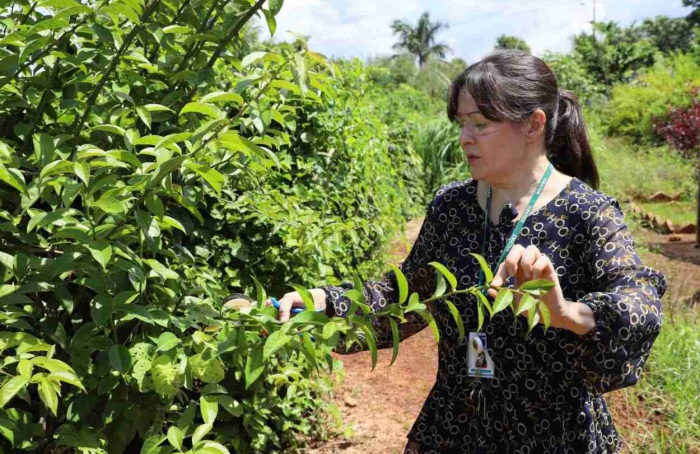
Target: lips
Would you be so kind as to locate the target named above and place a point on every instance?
(471, 159)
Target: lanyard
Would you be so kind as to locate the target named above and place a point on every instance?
(518, 227)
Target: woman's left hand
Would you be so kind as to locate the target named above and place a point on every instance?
(527, 265)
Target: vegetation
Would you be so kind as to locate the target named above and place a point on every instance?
(420, 40)
(512, 42)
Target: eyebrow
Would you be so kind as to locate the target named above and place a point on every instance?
(468, 113)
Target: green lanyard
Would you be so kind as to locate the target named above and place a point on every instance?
(518, 227)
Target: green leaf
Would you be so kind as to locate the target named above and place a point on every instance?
(395, 340)
(204, 109)
(275, 6)
(67, 377)
(235, 142)
(428, 317)
(252, 58)
(260, 294)
(110, 204)
(440, 287)
(11, 387)
(110, 129)
(402, 283)
(201, 432)
(271, 22)
(161, 270)
(144, 115)
(119, 358)
(48, 395)
(7, 289)
(8, 429)
(222, 96)
(458, 318)
(175, 437)
(212, 447)
(370, 337)
(305, 296)
(210, 175)
(25, 368)
(13, 177)
(503, 299)
(480, 315)
(274, 342)
(414, 303)
(545, 315)
(152, 444)
(484, 301)
(526, 303)
(447, 274)
(533, 317)
(177, 29)
(254, 366)
(538, 286)
(484, 267)
(101, 251)
(158, 108)
(82, 170)
(230, 404)
(209, 408)
(167, 341)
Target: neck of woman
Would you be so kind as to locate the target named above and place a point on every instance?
(522, 183)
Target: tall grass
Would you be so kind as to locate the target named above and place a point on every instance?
(437, 144)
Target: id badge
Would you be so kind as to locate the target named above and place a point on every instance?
(478, 358)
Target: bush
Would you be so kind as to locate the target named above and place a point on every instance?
(149, 165)
(681, 127)
(633, 106)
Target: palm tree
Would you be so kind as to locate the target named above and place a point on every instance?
(420, 40)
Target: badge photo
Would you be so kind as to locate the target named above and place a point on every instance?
(479, 360)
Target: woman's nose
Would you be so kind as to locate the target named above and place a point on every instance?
(466, 136)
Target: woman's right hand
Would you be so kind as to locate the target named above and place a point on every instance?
(293, 299)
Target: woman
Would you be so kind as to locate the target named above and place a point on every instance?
(545, 394)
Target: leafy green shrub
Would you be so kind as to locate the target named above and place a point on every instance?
(149, 165)
(633, 106)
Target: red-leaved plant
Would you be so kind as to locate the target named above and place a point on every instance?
(681, 126)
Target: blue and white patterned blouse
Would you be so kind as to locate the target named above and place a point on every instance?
(546, 394)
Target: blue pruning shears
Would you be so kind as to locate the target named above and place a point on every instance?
(294, 310)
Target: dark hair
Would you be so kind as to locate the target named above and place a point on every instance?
(511, 85)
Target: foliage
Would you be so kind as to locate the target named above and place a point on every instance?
(420, 40)
(615, 57)
(681, 127)
(433, 79)
(149, 165)
(437, 143)
(572, 75)
(647, 170)
(666, 34)
(512, 42)
(633, 106)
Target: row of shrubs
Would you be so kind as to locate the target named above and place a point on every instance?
(152, 161)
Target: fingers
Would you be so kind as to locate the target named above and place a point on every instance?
(288, 301)
(509, 267)
(528, 259)
(542, 268)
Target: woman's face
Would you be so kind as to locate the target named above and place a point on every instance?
(494, 149)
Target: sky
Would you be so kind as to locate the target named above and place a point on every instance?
(362, 28)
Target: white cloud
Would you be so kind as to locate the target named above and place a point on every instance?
(361, 28)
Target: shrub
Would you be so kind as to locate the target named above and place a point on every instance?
(150, 164)
(681, 127)
(633, 106)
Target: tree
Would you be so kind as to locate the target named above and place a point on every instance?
(421, 39)
(613, 58)
(512, 42)
(666, 34)
(694, 16)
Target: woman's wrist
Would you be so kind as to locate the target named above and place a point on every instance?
(579, 318)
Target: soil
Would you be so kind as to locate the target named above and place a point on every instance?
(380, 406)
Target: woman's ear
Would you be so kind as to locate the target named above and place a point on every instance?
(536, 125)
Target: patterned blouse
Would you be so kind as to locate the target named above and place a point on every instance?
(546, 393)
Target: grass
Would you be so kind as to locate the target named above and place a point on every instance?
(661, 414)
(680, 213)
(630, 171)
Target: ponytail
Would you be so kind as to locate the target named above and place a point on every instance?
(568, 146)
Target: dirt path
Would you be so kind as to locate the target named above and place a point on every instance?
(381, 406)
